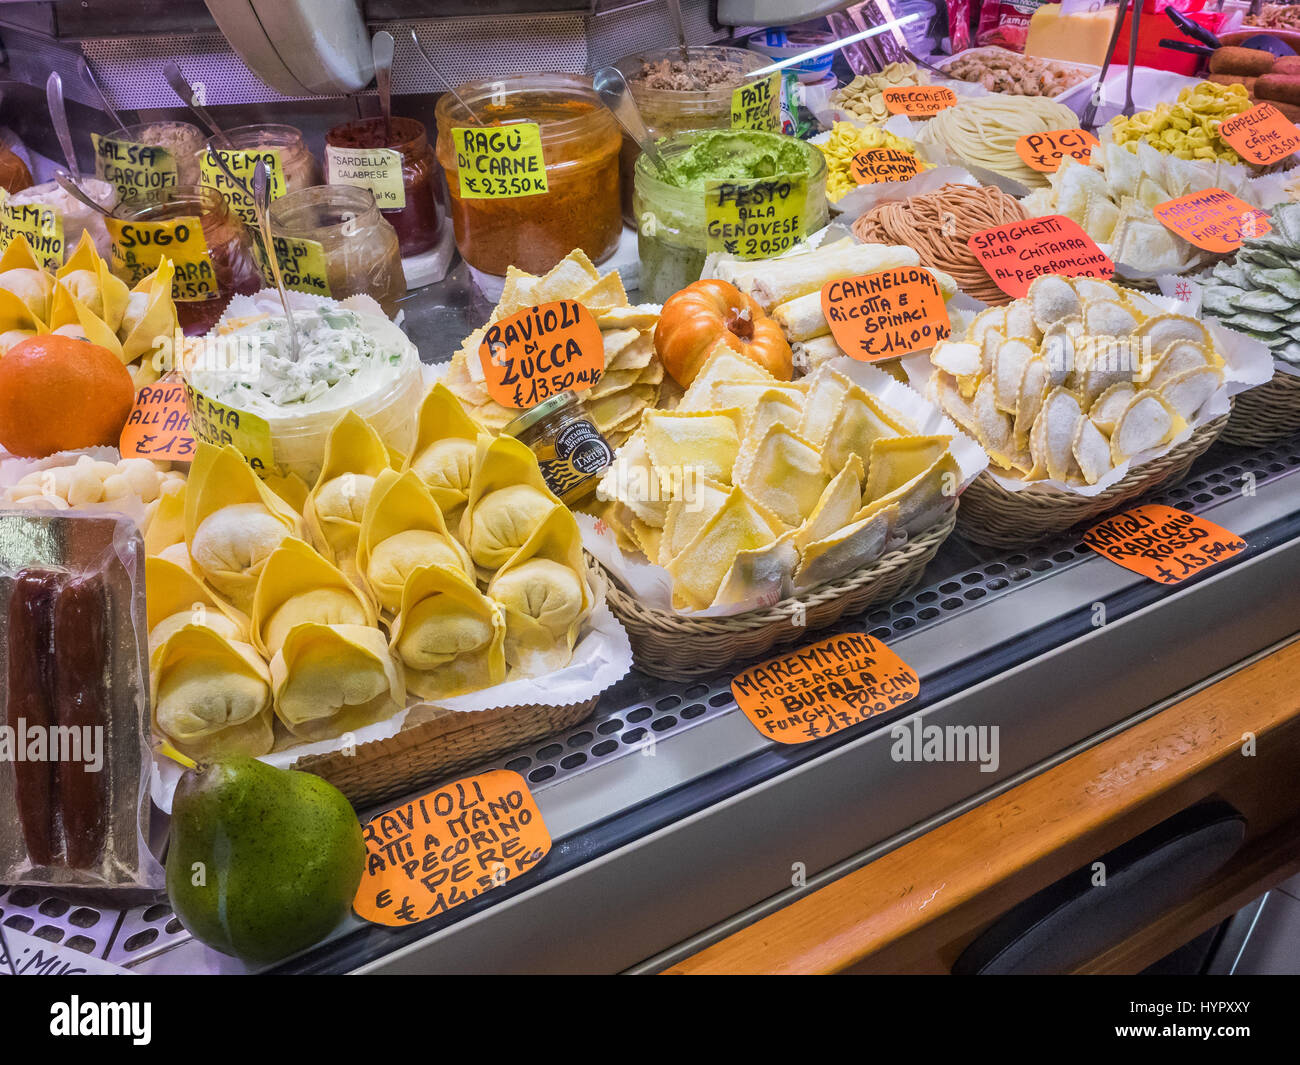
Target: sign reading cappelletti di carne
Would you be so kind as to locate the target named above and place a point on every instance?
(825, 687)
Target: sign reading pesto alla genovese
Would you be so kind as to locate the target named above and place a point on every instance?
(756, 218)
(500, 162)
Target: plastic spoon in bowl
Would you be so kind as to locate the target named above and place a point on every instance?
(183, 89)
(93, 82)
(611, 87)
(59, 119)
(262, 205)
(381, 51)
(65, 181)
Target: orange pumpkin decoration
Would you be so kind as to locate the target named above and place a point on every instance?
(709, 315)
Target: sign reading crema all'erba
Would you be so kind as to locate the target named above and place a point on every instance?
(536, 353)
(500, 162)
(756, 218)
(221, 424)
(827, 686)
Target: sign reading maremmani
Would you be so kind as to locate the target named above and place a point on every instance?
(1262, 135)
(920, 101)
(1046, 151)
(158, 426)
(537, 353)
(886, 314)
(1213, 219)
(1162, 543)
(1017, 252)
(824, 687)
(429, 855)
(873, 166)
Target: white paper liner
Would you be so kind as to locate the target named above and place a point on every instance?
(267, 301)
(653, 585)
(601, 658)
(1247, 363)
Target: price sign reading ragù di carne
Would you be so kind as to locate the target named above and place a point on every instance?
(756, 218)
(824, 687)
(886, 314)
(500, 162)
(1017, 252)
(537, 353)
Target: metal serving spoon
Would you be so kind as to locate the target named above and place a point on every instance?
(442, 78)
(108, 109)
(611, 87)
(65, 181)
(59, 118)
(184, 90)
(262, 204)
(381, 51)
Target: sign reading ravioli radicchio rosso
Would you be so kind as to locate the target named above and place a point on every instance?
(1262, 135)
(920, 101)
(825, 687)
(757, 218)
(1213, 219)
(539, 352)
(886, 314)
(1017, 252)
(1162, 543)
(1045, 152)
(445, 848)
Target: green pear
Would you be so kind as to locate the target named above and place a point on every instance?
(262, 862)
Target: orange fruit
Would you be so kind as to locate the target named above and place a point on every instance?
(58, 393)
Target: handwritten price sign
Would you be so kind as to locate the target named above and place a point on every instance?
(876, 165)
(824, 687)
(1162, 543)
(1017, 252)
(534, 354)
(920, 101)
(441, 850)
(1262, 135)
(1045, 151)
(886, 314)
(158, 426)
(1213, 219)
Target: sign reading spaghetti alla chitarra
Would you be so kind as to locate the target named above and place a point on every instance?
(756, 218)
(824, 687)
(537, 353)
(1017, 252)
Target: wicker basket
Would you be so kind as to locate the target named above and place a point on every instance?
(1266, 413)
(665, 645)
(993, 516)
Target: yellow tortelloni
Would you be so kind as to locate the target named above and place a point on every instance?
(402, 530)
(233, 523)
(355, 455)
(445, 447)
(544, 594)
(508, 500)
(449, 636)
(209, 690)
(331, 670)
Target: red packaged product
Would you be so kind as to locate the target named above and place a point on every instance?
(1004, 23)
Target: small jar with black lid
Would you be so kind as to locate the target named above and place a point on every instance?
(570, 450)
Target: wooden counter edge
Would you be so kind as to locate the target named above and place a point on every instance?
(912, 909)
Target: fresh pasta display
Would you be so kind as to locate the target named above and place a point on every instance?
(983, 132)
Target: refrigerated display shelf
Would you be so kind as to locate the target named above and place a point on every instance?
(641, 714)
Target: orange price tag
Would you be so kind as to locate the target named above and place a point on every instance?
(1213, 219)
(1162, 543)
(158, 426)
(429, 855)
(1017, 252)
(824, 687)
(1044, 151)
(875, 165)
(1261, 135)
(920, 101)
(886, 314)
(536, 353)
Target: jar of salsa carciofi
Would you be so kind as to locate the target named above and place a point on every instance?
(290, 166)
(569, 448)
(745, 194)
(535, 176)
(153, 155)
(399, 169)
(332, 240)
(208, 246)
